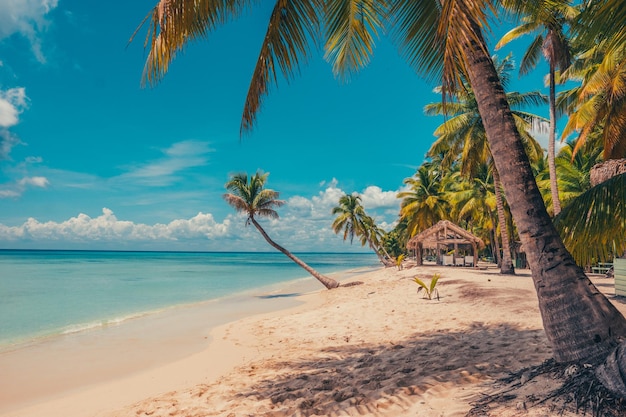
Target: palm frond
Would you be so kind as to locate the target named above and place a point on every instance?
(351, 29)
(172, 24)
(293, 25)
(593, 225)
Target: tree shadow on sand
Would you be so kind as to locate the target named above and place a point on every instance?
(378, 379)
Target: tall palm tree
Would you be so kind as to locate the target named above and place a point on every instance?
(462, 137)
(354, 222)
(548, 21)
(248, 195)
(440, 39)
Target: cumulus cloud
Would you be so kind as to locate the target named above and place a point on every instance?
(304, 225)
(108, 228)
(26, 18)
(374, 197)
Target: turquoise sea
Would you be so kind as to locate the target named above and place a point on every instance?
(48, 293)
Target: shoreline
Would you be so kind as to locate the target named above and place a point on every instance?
(372, 349)
(45, 370)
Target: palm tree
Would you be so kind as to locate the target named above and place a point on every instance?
(248, 195)
(580, 323)
(548, 21)
(424, 203)
(352, 219)
(598, 106)
(474, 201)
(462, 136)
(439, 38)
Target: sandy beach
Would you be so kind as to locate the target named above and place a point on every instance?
(376, 349)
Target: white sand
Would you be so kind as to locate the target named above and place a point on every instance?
(373, 349)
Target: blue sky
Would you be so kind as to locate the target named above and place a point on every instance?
(91, 160)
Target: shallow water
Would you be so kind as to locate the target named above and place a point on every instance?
(48, 293)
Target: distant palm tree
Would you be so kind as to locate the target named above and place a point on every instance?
(548, 23)
(425, 202)
(354, 222)
(474, 201)
(462, 138)
(247, 195)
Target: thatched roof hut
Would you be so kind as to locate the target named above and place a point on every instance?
(443, 235)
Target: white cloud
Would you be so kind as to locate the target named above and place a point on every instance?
(12, 103)
(374, 197)
(41, 182)
(17, 188)
(108, 228)
(178, 157)
(7, 142)
(304, 225)
(26, 18)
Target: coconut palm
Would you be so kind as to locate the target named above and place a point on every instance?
(598, 106)
(441, 39)
(474, 202)
(354, 222)
(424, 203)
(248, 195)
(548, 21)
(462, 137)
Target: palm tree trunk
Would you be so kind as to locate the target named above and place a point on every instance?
(496, 243)
(329, 283)
(506, 264)
(383, 257)
(554, 189)
(580, 322)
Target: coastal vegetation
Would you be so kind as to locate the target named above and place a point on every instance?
(446, 41)
(248, 195)
(430, 289)
(354, 222)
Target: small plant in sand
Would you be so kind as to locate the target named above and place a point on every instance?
(399, 261)
(429, 290)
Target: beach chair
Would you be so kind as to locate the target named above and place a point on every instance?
(459, 261)
(469, 261)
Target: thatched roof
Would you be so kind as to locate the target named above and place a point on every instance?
(607, 170)
(446, 233)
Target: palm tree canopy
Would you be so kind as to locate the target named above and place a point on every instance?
(247, 195)
(350, 216)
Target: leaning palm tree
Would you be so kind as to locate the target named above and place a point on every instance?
(548, 21)
(248, 195)
(441, 39)
(354, 222)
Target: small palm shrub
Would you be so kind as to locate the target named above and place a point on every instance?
(399, 260)
(429, 290)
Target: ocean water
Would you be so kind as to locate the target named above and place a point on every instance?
(48, 293)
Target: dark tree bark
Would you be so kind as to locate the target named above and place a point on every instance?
(579, 321)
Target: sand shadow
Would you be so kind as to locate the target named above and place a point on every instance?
(372, 378)
(271, 296)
